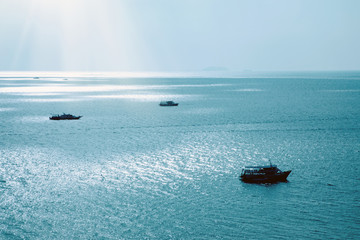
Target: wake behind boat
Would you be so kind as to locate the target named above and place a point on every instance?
(263, 174)
(64, 116)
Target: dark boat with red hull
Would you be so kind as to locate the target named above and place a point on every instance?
(263, 174)
(64, 116)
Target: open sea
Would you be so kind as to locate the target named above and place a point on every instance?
(130, 169)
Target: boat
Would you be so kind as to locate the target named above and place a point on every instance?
(64, 116)
(263, 174)
(168, 103)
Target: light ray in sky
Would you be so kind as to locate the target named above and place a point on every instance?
(79, 33)
(93, 37)
(162, 35)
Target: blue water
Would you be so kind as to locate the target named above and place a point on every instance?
(130, 169)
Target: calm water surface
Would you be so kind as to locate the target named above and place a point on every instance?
(130, 169)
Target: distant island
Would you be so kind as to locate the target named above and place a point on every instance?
(215, 68)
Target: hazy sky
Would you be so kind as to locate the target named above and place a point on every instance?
(179, 35)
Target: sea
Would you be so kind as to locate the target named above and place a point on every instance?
(130, 169)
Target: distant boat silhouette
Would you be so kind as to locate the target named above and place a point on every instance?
(64, 116)
(168, 103)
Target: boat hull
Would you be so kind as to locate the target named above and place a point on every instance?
(267, 178)
(168, 105)
(60, 118)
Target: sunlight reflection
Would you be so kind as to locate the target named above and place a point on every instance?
(248, 90)
(39, 94)
(143, 97)
(7, 109)
(47, 100)
(63, 88)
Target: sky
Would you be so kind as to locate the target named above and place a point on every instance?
(179, 35)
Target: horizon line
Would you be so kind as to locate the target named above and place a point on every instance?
(149, 74)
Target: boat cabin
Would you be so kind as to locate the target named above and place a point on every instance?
(260, 170)
(263, 174)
